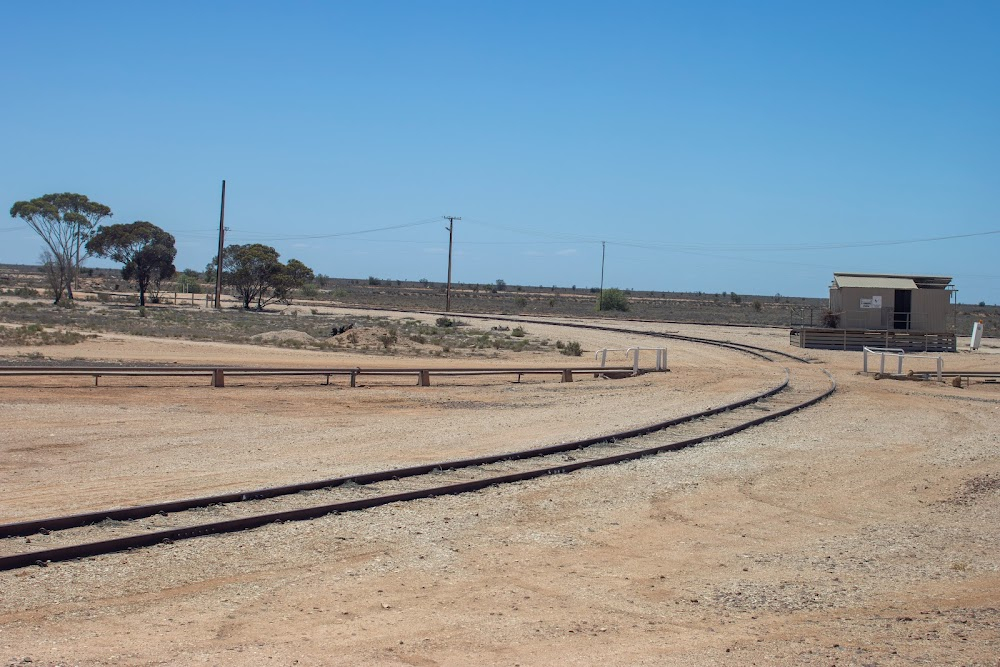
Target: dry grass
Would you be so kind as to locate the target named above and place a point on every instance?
(371, 335)
(36, 334)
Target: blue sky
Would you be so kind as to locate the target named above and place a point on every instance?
(715, 146)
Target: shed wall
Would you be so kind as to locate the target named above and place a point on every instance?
(929, 308)
(854, 316)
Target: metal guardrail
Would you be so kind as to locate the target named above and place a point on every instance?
(218, 374)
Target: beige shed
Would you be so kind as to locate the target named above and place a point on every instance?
(893, 302)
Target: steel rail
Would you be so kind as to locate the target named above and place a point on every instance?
(753, 350)
(25, 528)
(169, 535)
(148, 539)
(975, 374)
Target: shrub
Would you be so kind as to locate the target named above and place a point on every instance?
(559, 345)
(372, 280)
(389, 338)
(188, 284)
(571, 349)
(758, 306)
(35, 334)
(613, 299)
(444, 322)
(830, 319)
(520, 302)
(518, 332)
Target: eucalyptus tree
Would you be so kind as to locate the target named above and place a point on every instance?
(65, 222)
(257, 276)
(145, 251)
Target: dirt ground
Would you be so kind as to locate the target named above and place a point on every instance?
(862, 531)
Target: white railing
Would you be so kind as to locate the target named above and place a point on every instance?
(661, 356)
(884, 352)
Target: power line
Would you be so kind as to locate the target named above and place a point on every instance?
(742, 247)
(307, 237)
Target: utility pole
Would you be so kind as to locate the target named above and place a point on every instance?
(600, 298)
(451, 234)
(222, 237)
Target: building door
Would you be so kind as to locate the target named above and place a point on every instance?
(901, 311)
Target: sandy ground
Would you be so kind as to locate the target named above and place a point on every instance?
(859, 532)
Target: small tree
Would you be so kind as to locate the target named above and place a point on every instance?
(65, 222)
(146, 251)
(501, 285)
(613, 299)
(293, 275)
(256, 275)
(55, 276)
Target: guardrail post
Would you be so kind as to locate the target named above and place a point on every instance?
(425, 378)
(354, 377)
(899, 366)
(940, 367)
(218, 378)
(864, 366)
(567, 375)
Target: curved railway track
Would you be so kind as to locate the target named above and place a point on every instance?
(54, 539)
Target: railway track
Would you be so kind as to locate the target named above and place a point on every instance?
(85, 535)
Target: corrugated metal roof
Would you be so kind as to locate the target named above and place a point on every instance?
(874, 282)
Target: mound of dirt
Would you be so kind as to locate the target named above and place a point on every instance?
(284, 336)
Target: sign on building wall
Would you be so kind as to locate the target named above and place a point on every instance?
(873, 302)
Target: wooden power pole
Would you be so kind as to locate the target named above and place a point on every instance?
(222, 237)
(451, 234)
(600, 297)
